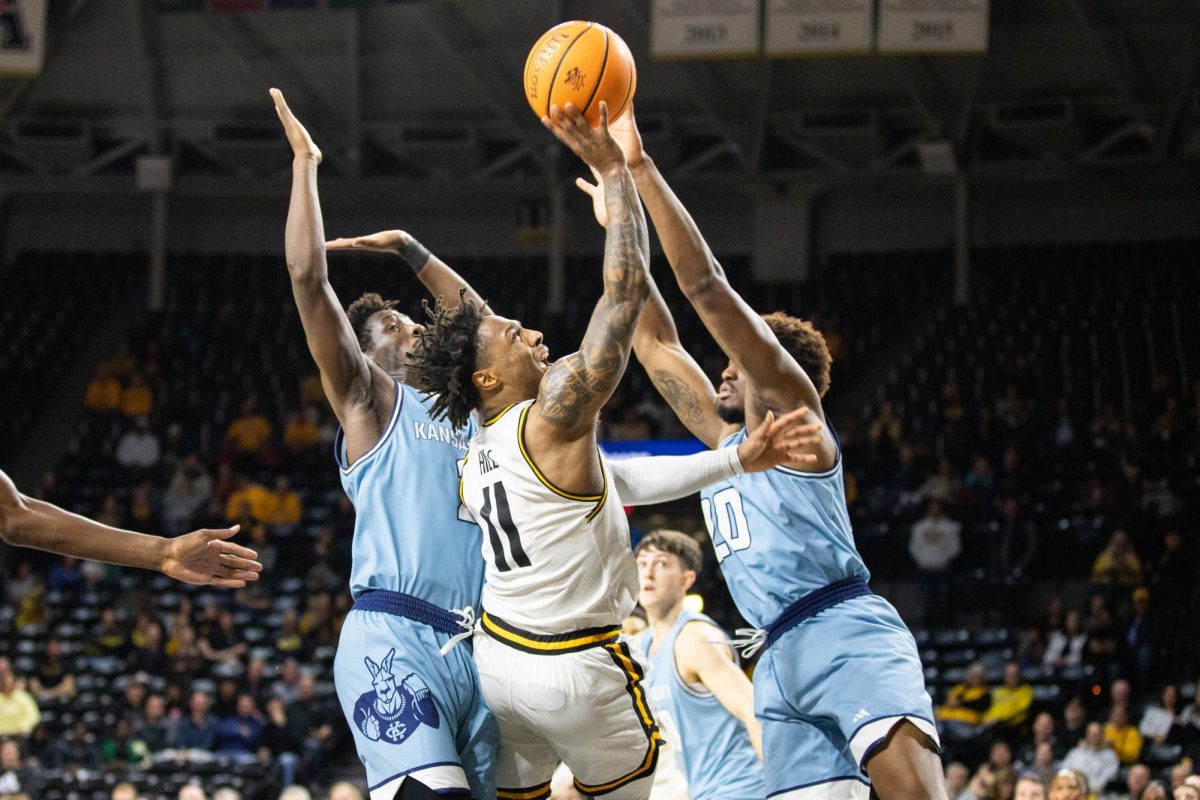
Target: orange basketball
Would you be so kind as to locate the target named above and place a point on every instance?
(580, 63)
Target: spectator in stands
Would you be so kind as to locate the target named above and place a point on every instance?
(287, 687)
(1069, 784)
(1123, 736)
(1065, 647)
(32, 608)
(1093, 757)
(65, 576)
(1140, 640)
(249, 499)
(317, 615)
(344, 790)
(75, 749)
(122, 749)
(103, 395)
(191, 791)
(987, 780)
(1043, 733)
(144, 507)
(1045, 763)
(52, 681)
(1190, 716)
(225, 703)
(1013, 547)
(288, 641)
(1030, 787)
(224, 642)
(240, 734)
(250, 433)
(184, 659)
(197, 730)
(943, 486)
(283, 508)
(152, 726)
(1118, 565)
(302, 435)
(19, 713)
(20, 584)
(1120, 695)
(884, 434)
(1172, 578)
(979, 482)
(149, 657)
(109, 637)
(322, 576)
(295, 793)
(1187, 792)
(934, 544)
(316, 716)
(957, 776)
(966, 703)
(1102, 643)
(255, 681)
(188, 493)
(1136, 782)
(1012, 481)
(17, 781)
(1162, 723)
(138, 448)
(1010, 701)
(136, 398)
(281, 742)
(1180, 773)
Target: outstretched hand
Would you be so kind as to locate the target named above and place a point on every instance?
(383, 242)
(787, 440)
(596, 146)
(596, 192)
(298, 137)
(204, 558)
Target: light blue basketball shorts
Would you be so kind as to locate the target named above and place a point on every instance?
(829, 691)
(414, 712)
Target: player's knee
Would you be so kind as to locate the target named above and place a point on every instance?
(415, 790)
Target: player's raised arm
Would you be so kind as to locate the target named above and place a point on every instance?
(660, 479)
(202, 557)
(676, 375)
(576, 387)
(742, 333)
(349, 377)
(438, 277)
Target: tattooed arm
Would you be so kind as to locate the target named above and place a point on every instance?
(576, 387)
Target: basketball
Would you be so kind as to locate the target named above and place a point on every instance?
(580, 63)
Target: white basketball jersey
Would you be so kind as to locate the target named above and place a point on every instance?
(556, 562)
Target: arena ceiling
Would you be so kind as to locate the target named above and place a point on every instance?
(431, 90)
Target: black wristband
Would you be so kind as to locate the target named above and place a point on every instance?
(415, 254)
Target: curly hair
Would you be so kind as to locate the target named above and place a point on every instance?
(806, 344)
(361, 311)
(444, 361)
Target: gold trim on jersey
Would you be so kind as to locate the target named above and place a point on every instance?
(532, 793)
(548, 644)
(461, 477)
(598, 499)
(499, 414)
(633, 684)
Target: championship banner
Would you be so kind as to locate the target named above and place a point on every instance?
(704, 28)
(22, 36)
(933, 26)
(819, 27)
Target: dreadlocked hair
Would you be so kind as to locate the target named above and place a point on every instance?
(806, 344)
(444, 361)
(361, 310)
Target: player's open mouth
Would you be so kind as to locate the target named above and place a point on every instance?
(543, 355)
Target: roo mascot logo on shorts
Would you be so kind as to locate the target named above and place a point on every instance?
(393, 711)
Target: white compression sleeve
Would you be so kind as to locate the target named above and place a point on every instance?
(657, 479)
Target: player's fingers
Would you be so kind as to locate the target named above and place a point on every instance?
(803, 458)
(585, 187)
(241, 575)
(341, 244)
(221, 533)
(227, 583)
(604, 116)
(241, 561)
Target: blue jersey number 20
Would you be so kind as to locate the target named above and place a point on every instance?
(724, 514)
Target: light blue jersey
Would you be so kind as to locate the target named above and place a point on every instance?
(412, 699)
(831, 683)
(410, 534)
(779, 535)
(718, 759)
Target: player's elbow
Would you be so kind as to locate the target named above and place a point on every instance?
(305, 268)
(702, 287)
(15, 519)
